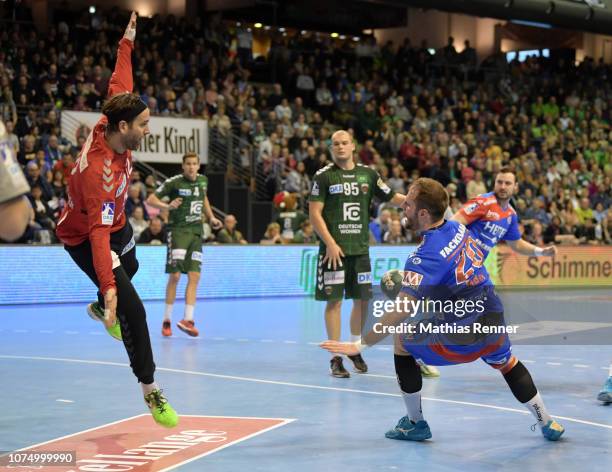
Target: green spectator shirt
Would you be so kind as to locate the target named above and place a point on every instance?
(346, 196)
(290, 222)
(189, 214)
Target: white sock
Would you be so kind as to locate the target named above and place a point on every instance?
(413, 406)
(355, 338)
(538, 410)
(189, 312)
(148, 388)
(168, 312)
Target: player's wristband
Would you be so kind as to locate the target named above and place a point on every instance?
(538, 251)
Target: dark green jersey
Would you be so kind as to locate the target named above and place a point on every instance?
(290, 222)
(346, 196)
(189, 214)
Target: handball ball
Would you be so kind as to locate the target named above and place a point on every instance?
(391, 283)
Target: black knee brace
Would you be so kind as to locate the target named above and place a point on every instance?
(408, 374)
(520, 382)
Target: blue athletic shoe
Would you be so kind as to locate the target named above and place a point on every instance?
(406, 430)
(606, 392)
(553, 430)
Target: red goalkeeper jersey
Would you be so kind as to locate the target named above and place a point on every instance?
(97, 188)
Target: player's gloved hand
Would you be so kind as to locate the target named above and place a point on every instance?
(215, 223)
(174, 204)
(333, 256)
(110, 307)
(130, 31)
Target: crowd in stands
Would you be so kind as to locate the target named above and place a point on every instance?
(412, 114)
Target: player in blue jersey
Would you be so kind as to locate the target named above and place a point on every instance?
(491, 218)
(447, 268)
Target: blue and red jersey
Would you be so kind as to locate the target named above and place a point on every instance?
(489, 222)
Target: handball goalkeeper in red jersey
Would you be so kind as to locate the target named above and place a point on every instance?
(95, 231)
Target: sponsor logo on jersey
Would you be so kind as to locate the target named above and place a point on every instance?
(196, 256)
(351, 211)
(121, 186)
(383, 186)
(365, 187)
(364, 278)
(415, 260)
(454, 243)
(495, 230)
(492, 214)
(333, 278)
(335, 189)
(468, 210)
(315, 189)
(184, 192)
(348, 176)
(196, 208)
(412, 279)
(108, 213)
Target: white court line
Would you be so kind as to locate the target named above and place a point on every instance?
(62, 400)
(257, 433)
(553, 363)
(266, 340)
(298, 385)
(527, 361)
(290, 342)
(71, 332)
(242, 340)
(218, 339)
(46, 331)
(582, 366)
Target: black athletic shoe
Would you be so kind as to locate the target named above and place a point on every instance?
(359, 363)
(337, 369)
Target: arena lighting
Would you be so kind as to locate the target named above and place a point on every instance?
(267, 27)
(303, 32)
(238, 24)
(92, 9)
(257, 25)
(356, 38)
(550, 8)
(334, 35)
(282, 30)
(342, 36)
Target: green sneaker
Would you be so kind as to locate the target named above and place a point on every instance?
(161, 410)
(95, 312)
(429, 371)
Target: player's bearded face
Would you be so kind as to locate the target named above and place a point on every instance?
(136, 131)
(504, 186)
(410, 211)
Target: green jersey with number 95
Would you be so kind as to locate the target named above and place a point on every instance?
(346, 196)
(189, 214)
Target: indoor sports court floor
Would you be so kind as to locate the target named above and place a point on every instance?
(257, 358)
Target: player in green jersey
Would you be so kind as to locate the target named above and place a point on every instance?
(187, 201)
(340, 214)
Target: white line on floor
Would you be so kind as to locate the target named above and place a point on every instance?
(297, 385)
(553, 363)
(61, 400)
(582, 366)
(46, 331)
(267, 341)
(290, 342)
